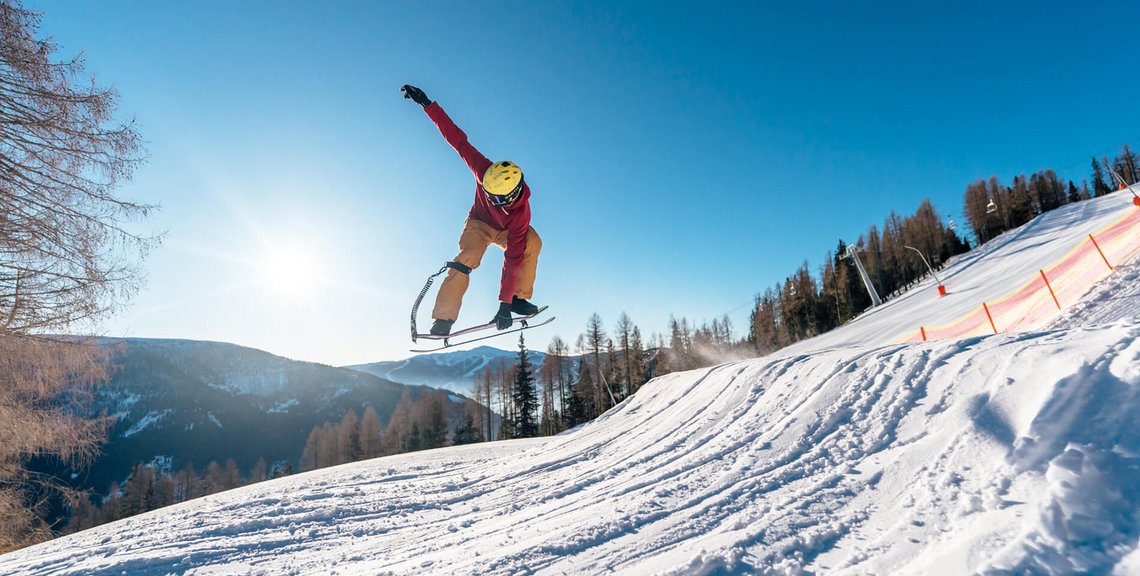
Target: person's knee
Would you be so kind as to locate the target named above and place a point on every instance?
(533, 242)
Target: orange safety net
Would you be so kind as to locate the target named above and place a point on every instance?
(1043, 296)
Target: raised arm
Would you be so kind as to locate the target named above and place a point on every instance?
(475, 160)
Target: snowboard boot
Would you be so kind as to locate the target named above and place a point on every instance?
(522, 307)
(441, 327)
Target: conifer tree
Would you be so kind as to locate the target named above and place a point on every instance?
(624, 333)
(613, 381)
(1100, 185)
(1074, 193)
(524, 396)
(576, 411)
(583, 393)
(467, 432)
(595, 340)
(1126, 163)
(637, 360)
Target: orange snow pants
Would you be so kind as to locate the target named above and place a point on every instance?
(473, 243)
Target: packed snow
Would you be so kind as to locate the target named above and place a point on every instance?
(846, 454)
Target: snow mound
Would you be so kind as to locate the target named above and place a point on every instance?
(1006, 454)
(1011, 453)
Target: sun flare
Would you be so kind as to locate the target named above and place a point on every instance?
(290, 273)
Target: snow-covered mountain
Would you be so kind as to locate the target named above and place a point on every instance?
(846, 454)
(455, 371)
(193, 402)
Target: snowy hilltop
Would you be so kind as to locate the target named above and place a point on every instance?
(454, 371)
(851, 453)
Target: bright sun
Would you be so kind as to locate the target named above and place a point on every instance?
(290, 273)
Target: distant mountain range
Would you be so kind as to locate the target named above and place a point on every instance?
(454, 371)
(181, 401)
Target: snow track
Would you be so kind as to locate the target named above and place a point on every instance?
(1009, 454)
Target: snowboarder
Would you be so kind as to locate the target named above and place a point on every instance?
(499, 216)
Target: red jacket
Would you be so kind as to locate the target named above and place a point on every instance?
(515, 219)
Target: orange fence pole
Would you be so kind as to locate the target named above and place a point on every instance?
(923, 330)
(987, 308)
(1046, 278)
(1101, 252)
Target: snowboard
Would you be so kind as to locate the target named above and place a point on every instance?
(522, 321)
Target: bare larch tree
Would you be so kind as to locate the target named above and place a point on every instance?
(68, 260)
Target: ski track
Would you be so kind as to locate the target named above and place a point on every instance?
(1006, 454)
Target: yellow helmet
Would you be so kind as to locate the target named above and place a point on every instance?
(503, 182)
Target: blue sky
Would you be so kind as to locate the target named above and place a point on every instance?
(682, 157)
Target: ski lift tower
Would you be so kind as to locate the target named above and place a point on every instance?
(853, 253)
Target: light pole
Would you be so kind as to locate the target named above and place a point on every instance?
(1123, 186)
(941, 288)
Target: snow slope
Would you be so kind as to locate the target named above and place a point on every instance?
(846, 454)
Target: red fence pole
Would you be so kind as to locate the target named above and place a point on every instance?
(1050, 290)
(1101, 252)
(990, 317)
(923, 330)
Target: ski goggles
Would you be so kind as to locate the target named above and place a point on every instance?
(497, 200)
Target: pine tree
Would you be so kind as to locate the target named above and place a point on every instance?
(1074, 193)
(581, 406)
(577, 411)
(524, 396)
(613, 381)
(595, 340)
(624, 333)
(1127, 166)
(1100, 186)
(637, 360)
(679, 353)
(467, 432)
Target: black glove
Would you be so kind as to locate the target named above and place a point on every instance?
(503, 319)
(416, 95)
